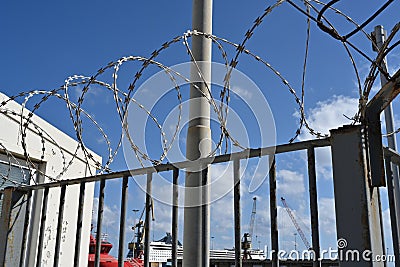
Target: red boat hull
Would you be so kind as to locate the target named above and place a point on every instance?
(106, 260)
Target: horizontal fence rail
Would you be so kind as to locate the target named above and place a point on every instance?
(245, 154)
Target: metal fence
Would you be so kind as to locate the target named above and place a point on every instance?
(21, 197)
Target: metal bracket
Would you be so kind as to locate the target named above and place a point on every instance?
(374, 134)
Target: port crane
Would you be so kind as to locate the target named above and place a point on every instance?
(246, 239)
(136, 249)
(296, 225)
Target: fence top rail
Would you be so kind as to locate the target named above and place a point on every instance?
(392, 154)
(384, 96)
(244, 154)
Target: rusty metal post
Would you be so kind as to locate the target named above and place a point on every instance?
(312, 187)
(273, 209)
(358, 220)
(175, 217)
(43, 218)
(79, 223)
(5, 223)
(149, 206)
(237, 211)
(12, 226)
(59, 226)
(121, 243)
(100, 210)
(26, 226)
(35, 217)
(393, 218)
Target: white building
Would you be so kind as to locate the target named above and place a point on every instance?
(50, 151)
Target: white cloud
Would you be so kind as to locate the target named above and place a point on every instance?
(163, 218)
(329, 114)
(243, 93)
(222, 180)
(222, 218)
(387, 230)
(327, 219)
(393, 63)
(110, 214)
(290, 183)
(386, 222)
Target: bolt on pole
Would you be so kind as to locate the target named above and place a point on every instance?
(196, 213)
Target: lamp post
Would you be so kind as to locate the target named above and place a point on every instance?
(134, 212)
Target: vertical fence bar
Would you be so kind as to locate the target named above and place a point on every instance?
(149, 205)
(205, 215)
(175, 218)
(79, 224)
(35, 217)
(59, 225)
(312, 187)
(42, 226)
(237, 211)
(392, 208)
(99, 223)
(273, 212)
(122, 219)
(5, 223)
(26, 225)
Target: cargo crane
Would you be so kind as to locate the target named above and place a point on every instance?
(246, 239)
(296, 225)
(136, 248)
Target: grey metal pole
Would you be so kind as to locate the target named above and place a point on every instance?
(198, 142)
(380, 36)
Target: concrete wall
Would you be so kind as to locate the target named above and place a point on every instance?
(58, 148)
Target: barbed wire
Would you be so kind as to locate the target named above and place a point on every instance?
(313, 10)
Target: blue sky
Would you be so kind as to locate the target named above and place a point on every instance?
(44, 42)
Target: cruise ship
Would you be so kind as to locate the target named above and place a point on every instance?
(161, 252)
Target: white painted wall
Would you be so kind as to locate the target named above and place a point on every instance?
(53, 162)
